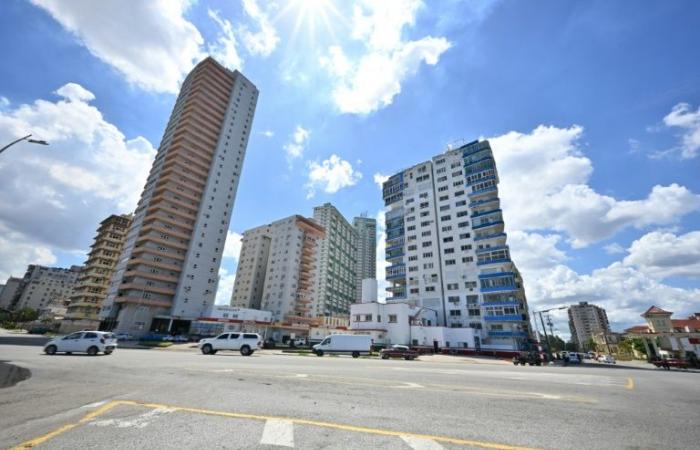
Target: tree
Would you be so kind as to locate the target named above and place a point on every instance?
(570, 347)
(26, 315)
(590, 345)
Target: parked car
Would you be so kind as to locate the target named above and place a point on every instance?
(38, 330)
(246, 343)
(90, 342)
(670, 362)
(297, 342)
(398, 351)
(572, 357)
(152, 337)
(530, 358)
(607, 359)
(124, 337)
(175, 338)
(354, 344)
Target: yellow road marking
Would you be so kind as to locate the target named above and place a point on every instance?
(209, 412)
(630, 383)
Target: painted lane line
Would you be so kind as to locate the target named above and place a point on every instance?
(140, 421)
(94, 405)
(302, 375)
(421, 444)
(278, 432)
(409, 385)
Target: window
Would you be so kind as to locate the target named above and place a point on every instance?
(449, 251)
(459, 193)
(466, 247)
(474, 312)
(463, 224)
(453, 299)
(450, 262)
(90, 336)
(455, 312)
(430, 289)
(223, 336)
(250, 336)
(443, 197)
(465, 235)
(452, 286)
(428, 255)
(392, 318)
(448, 217)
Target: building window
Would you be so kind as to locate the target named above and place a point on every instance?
(392, 318)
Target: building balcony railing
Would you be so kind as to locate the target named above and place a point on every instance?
(479, 180)
(483, 191)
(395, 256)
(398, 276)
(492, 261)
(505, 318)
(484, 201)
(490, 236)
(471, 161)
(490, 249)
(504, 303)
(485, 213)
(488, 224)
(507, 334)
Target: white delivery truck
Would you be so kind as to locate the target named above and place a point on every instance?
(354, 344)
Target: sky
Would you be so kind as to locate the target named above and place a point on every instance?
(592, 110)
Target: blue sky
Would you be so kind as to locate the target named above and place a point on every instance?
(593, 109)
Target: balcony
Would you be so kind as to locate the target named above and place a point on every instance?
(487, 224)
(505, 318)
(505, 303)
(490, 236)
(485, 213)
(395, 256)
(479, 180)
(485, 262)
(483, 191)
(507, 334)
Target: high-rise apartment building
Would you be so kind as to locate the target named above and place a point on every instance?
(336, 279)
(167, 274)
(8, 292)
(447, 250)
(585, 321)
(91, 287)
(42, 286)
(366, 257)
(276, 269)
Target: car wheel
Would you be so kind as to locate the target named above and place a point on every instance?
(92, 351)
(213, 352)
(108, 352)
(245, 351)
(355, 354)
(319, 352)
(50, 350)
(385, 356)
(206, 349)
(407, 358)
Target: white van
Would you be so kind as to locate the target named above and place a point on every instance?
(354, 344)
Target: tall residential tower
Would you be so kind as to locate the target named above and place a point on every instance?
(167, 273)
(366, 258)
(585, 321)
(446, 246)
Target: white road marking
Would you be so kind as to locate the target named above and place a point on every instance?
(421, 444)
(140, 421)
(407, 384)
(302, 375)
(278, 432)
(94, 405)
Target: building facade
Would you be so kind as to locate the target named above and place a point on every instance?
(43, 286)
(585, 321)
(336, 279)
(91, 288)
(665, 337)
(366, 257)
(9, 291)
(447, 249)
(276, 269)
(168, 271)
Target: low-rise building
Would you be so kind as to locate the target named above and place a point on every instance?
(224, 318)
(664, 336)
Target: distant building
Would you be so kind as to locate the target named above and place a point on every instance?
(276, 268)
(9, 291)
(91, 288)
(366, 228)
(335, 282)
(585, 321)
(664, 336)
(42, 286)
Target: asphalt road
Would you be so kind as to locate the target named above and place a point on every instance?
(182, 399)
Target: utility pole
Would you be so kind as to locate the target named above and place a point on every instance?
(549, 349)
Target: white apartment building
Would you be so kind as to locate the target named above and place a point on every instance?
(8, 292)
(585, 321)
(447, 248)
(44, 286)
(167, 273)
(276, 269)
(335, 282)
(366, 257)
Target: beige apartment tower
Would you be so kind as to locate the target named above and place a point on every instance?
(91, 287)
(167, 274)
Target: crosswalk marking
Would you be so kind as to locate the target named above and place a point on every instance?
(421, 444)
(278, 432)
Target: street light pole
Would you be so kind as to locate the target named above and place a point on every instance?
(544, 328)
(33, 141)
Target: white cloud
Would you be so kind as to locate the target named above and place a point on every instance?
(17, 251)
(298, 140)
(54, 197)
(225, 48)
(151, 43)
(263, 42)
(331, 175)
(267, 133)
(224, 288)
(232, 247)
(4, 102)
(614, 249)
(534, 252)
(379, 179)
(682, 116)
(661, 255)
(370, 80)
(544, 178)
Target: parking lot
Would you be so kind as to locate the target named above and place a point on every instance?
(181, 398)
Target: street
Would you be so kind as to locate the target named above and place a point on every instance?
(181, 398)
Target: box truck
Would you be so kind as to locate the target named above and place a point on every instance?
(353, 344)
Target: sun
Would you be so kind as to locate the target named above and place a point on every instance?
(313, 17)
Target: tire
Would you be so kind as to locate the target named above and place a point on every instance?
(385, 356)
(319, 353)
(407, 358)
(207, 349)
(50, 350)
(245, 351)
(355, 354)
(92, 351)
(108, 352)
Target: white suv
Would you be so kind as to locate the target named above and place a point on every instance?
(90, 342)
(246, 343)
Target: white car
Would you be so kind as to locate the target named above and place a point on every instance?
(90, 342)
(246, 343)
(607, 359)
(124, 337)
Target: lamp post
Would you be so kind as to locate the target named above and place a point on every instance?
(544, 328)
(32, 141)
